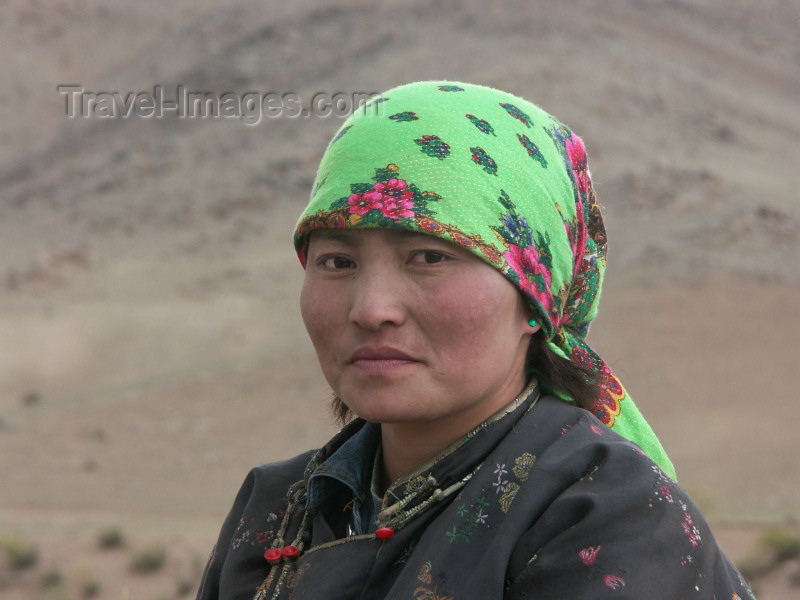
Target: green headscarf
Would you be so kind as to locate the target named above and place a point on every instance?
(497, 175)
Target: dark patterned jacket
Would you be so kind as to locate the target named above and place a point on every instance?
(543, 503)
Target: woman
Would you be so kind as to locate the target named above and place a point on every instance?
(453, 253)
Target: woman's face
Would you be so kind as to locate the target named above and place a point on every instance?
(409, 328)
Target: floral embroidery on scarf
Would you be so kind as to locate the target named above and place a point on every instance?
(490, 253)
(392, 198)
(532, 149)
(527, 267)
(433, 146)
(389, 199)
(340, 134)
(450, 88)
(390, 202)
(480, 158)
(517, 114)
(532, 269)
(611, 386)
(607, 406)
(587, 239)
(404, 117)
(575, 162)
(483, 126)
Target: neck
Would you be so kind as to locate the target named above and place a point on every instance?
(406, 446)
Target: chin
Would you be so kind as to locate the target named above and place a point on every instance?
(391, 410)
(388, 415)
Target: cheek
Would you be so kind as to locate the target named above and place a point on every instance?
(472, 321)
(316, 309)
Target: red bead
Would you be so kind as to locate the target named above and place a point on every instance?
(273, 555)
(384, 533)
(290, 551)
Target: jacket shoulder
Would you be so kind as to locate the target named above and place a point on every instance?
(251, 520)
(280, 472)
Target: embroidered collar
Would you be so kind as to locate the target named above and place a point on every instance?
(347, 463)
(448, 471)
(348, 467)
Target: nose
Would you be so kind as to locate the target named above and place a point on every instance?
(378, 299)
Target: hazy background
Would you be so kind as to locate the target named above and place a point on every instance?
(151, 349)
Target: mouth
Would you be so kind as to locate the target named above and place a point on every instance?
(381, 360)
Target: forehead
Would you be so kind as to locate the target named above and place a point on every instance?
(359, 236)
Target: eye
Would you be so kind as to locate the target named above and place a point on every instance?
(336, 263)
(429, 257)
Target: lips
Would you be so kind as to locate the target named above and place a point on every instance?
(380, 354)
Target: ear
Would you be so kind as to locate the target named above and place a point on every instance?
(533, 324)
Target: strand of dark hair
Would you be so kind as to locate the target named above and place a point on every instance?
(555, 372)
